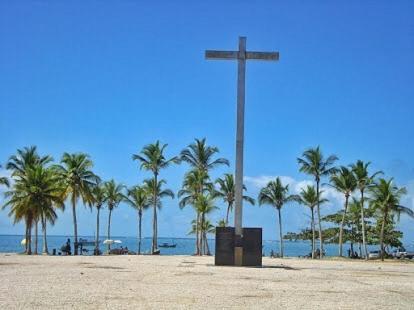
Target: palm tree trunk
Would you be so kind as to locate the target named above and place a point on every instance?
(36, 236)
(227, 214)
(75, 224)
(313, 234)
(26, 246)
(341, 228)
(364, 242)
(319, 221)
(382, 232)
(29, 239)
(139, 231)
(280, 233)
(109, 229)
(197, 236)
(202, 245)
(45, 249)
(97, 232)
(154, 245)
(207, 247)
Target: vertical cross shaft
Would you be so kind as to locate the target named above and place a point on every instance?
(241, 73)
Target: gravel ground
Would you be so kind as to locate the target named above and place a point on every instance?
(187, 282)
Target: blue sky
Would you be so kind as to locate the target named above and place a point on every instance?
(107, 78)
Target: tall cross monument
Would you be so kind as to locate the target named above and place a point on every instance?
(241, 56)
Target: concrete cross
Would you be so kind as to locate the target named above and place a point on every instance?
(241, 56)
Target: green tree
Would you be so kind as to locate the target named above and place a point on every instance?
(98, 199)
(4, 181)
(226, 191)
(276, 194)
(309, 198)
(314, 163)
(76, 175)
(364, 181)
(152, 159)
(385, 197)
(201, 156)
(138, 198)
(113, 193)
(344, 182)
(205, 205)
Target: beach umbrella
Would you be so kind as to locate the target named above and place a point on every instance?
(23, 242)
(108, 241)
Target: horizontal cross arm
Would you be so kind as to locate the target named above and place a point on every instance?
(221, 54)
(272, 56)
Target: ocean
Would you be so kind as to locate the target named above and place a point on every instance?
(185, 246)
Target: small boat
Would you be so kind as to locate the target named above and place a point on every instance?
(167, 245)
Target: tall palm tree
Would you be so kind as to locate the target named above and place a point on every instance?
(113, 194)
(227, 190)
(78, 178)
(386, 198)
(152, 158)
(137, 198)
(314, 163)
(98, 200)
(364, 181)
(343, 181)
(201, 156)
(20, 164)
(309, 198)
(196, 182)
(276, 194)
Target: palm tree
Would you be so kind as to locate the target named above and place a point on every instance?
(364, 181)
(386, 198)
(200, 156)
(79, 180)
(205, 205)
(99, 199)
(309, 198)
(314, 163)
(156, 188)
(196, 182)
(37, 192)
(138, 199)
(152, 159)
(113, 196)
(276, 194)
(343, 181)
(19, 164)
(226, 191)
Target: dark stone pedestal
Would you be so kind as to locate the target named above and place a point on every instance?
(251, 243)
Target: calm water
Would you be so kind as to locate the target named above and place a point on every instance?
(185, 246)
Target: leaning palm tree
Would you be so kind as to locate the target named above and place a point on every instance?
(226, 191)
(137, 198)
(113, 194)
(309, 198)
(276, 194)
(98, 200)
(343, 181)
(196, 182)
(385, 197)
(76, 174)
(152, 158)
(364, 181)
(314, 163)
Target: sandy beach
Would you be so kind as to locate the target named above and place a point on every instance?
(186, 282)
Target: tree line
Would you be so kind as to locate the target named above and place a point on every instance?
(38, 187)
